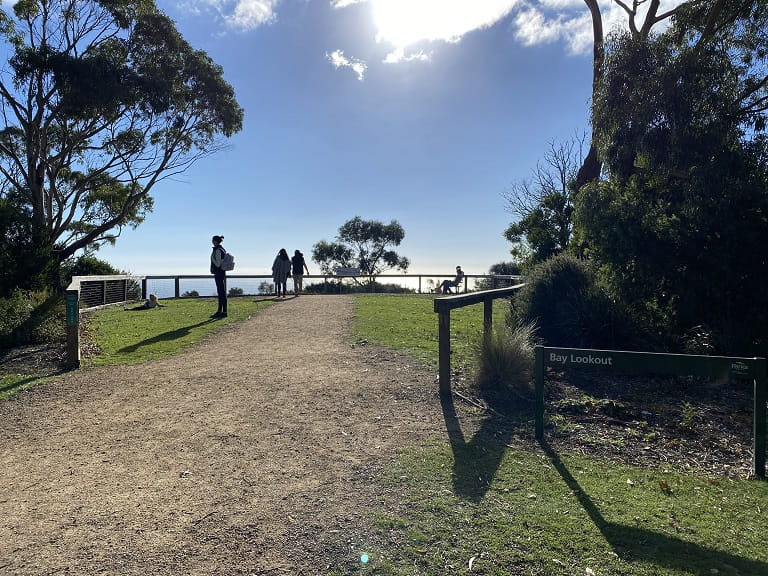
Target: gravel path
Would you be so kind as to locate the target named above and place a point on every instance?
(251, 453)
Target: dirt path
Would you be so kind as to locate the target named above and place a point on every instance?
(251, 453)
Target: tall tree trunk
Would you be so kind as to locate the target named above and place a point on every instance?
(591, 166)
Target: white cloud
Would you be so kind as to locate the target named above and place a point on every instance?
(339, 60)
(243, 15)
(345, 3)
(399, 55)
(410, 23)
(403, 22)
(569, 21)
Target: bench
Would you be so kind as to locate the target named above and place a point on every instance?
(452, 285)
(346, 272)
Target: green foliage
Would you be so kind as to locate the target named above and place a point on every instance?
(235, 291)
(543, 206)
(498, 269)
(679, 226)
(103, 100)
(363, 244)
(25, 255)
(505, 361)
(30, 318)
(562, 297)
(86, 265)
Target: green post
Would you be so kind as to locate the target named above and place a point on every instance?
(444, 343)
(73, 329)
(538, 368)
(759, 427)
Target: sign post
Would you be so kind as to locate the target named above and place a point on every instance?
(73, 329)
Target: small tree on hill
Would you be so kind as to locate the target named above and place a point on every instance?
(363, 244)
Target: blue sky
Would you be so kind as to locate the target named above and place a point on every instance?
(423, 111)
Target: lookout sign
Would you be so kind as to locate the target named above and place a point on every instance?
(717, 367)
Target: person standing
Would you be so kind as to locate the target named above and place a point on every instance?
(298, 266)
(219, 276)
(281, 269)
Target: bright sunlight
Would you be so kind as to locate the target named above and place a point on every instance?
(404, 22)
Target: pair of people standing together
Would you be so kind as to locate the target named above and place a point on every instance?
(282, 268)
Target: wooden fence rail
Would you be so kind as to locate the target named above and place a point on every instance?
(443, 307)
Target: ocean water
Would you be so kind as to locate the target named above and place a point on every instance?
(164, 287)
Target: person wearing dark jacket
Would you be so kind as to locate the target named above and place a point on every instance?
(219, 276)
(298, 266)
(281, 269)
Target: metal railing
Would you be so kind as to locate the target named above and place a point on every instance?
(182, 285)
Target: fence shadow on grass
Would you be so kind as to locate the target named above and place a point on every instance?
(631, 543)
(476, 461)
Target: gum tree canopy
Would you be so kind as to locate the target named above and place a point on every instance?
(100, 100)
(364, 244)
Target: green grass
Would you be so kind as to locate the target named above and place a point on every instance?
(510, 511)
(409, 323)
(135, 337)
(10, 384)
(535, 512)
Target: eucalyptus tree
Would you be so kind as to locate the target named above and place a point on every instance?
(680, 223)
(702, 22)
(100, 101)
(363, 244)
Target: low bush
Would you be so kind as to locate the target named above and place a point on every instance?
(562, 296)
(30, 318)
(505, 361)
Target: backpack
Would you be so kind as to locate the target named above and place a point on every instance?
(227, 262)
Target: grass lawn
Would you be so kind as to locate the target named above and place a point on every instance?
(409, 323)
(476, 506)
(130, 337)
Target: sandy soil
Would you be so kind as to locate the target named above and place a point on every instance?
(251, 453)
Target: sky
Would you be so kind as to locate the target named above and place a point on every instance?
(420, 111)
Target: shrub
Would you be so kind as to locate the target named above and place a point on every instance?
(563, 298)
(505, 361)
(30, 318)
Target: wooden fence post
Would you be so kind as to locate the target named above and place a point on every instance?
(538, 368)
(487, 318)
(759, 426)
(444, 342)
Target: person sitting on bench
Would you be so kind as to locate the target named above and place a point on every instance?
(446, 286)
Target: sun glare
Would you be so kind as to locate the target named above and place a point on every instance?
(403, 22)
